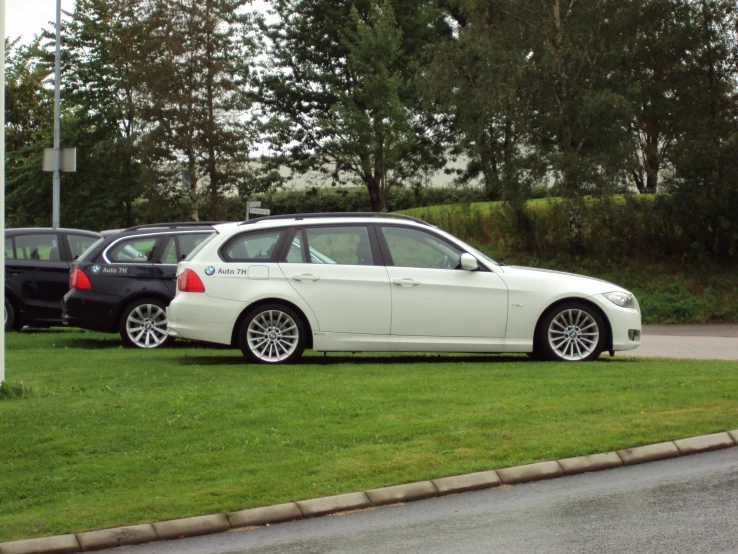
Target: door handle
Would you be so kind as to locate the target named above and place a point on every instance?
(305, 277)
(406, 282)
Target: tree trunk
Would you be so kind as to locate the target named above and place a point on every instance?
(374, 195)
(576, 245)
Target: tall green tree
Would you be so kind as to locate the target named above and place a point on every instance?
(197, 80)
(338, 89)
(29, 111)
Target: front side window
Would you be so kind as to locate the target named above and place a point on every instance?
(37, 247)
(132, 250)
(79, 243)
(340, 245)
(9, 252)
(253, 247)
(414, 248)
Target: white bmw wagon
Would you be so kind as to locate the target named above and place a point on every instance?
(382, 282)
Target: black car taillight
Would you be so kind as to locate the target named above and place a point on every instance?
(78, 280)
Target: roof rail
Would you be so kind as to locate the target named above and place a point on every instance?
(298, 217)
(174, 225)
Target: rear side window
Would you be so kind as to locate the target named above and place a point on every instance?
(79, 243)
(200, 246)
(36, 247)
(253, 246)
(9, 252)
(92, 248)
(340, 245)
(137, 249)
(179, 247)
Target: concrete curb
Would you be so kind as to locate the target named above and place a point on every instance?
(468, 482)
(218, 523)
(402, 493)
(333, 504)
(119, 536)
(594, 462)
(268, 514)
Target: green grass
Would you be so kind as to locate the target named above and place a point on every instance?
(96, 435)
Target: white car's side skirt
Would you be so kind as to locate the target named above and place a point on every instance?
(347, 342)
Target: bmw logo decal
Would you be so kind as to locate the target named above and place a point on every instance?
(95, 269)
(209, 270)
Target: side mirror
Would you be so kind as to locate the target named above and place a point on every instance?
(469, 262)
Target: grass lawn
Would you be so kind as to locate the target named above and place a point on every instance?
(108, 436)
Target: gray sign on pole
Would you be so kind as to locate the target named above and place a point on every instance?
(68, 160)
(259, 211)
(253, 204)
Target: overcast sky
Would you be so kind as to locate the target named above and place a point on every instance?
(28, 17)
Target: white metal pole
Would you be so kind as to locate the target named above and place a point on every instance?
(57, 123)
(2, 178)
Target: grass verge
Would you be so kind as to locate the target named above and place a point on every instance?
(105, 436)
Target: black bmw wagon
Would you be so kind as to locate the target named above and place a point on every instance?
(124, 283)
(37, 262)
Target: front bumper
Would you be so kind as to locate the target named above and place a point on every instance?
(625, 324)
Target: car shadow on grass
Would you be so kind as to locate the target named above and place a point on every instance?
(406, 359)
(364, 359)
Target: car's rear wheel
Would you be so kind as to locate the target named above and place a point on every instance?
(143, 324)
(9, 316)
(572, 332)
(272, 334)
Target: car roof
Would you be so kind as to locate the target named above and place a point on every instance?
(17, 230)
(270, 222)
(156, 228)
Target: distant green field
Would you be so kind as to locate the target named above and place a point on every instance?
(95, 435)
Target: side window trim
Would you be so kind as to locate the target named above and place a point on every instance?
(388, 255)
(279, 251)
(157, 237)
(376, 253)
(297, 232)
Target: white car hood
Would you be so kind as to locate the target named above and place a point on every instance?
(586, 285)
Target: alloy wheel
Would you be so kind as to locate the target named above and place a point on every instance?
(573, 334)
(146, 326)
(272, 336)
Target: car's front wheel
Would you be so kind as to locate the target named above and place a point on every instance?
(572, 332)
(272, 334)
(143, 324)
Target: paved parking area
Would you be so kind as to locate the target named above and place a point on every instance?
(697, 342)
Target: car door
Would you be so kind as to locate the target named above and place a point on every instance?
(41, 275)
(337, 270)
(432, 295)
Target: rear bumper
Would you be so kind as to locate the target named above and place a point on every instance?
(90, 310)
(200, 317)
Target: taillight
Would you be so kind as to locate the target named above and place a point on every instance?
(188, 281)
(78, 280)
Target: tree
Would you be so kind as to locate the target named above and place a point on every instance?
(338, 89)
(196, 78)
(29, 111)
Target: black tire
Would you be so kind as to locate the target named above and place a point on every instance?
(572, 332)
(143, 324)
(9, 316)
(284, 335)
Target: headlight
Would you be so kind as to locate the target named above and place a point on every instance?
(622, 299)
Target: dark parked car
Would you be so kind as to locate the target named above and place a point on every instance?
(37, 262)
(124, 283)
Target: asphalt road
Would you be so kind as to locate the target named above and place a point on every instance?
(687, 504)
(704, 342)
